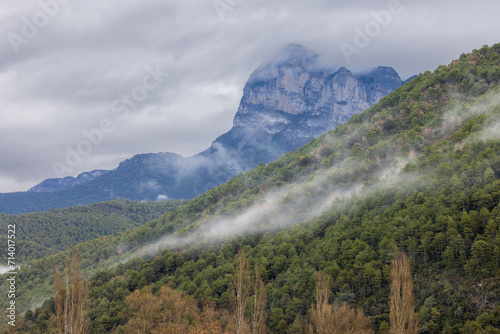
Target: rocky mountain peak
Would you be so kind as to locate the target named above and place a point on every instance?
(344, 71)
(379, 81)
(291, 100)
(295, 55)
(291, 85)
(293, 58)
(385, 70)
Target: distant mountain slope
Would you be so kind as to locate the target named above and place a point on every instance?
(44, 233)
(285, 104)
(51, 185)
(418, 172)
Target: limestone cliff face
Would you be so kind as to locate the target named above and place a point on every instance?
(295, 98)
(285, 104)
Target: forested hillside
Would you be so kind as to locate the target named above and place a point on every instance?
(50, 232)
(419, 172)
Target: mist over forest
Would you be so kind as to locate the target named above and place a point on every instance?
(406, 191)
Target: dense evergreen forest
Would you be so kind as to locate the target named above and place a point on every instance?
(418, 173)
(50, 232)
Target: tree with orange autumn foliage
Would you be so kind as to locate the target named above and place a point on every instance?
(210, 321)
(171, 312)
(334, 319)
(402, 301)
(241, 290)
(259, 315)
(71, 301)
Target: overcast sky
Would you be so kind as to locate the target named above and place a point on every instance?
(67, 66)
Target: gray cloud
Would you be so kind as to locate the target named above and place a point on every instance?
(66, 78)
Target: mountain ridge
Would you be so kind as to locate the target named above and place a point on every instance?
(285, 104)
(56, 184)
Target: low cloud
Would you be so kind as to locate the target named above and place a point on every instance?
(273, 211)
